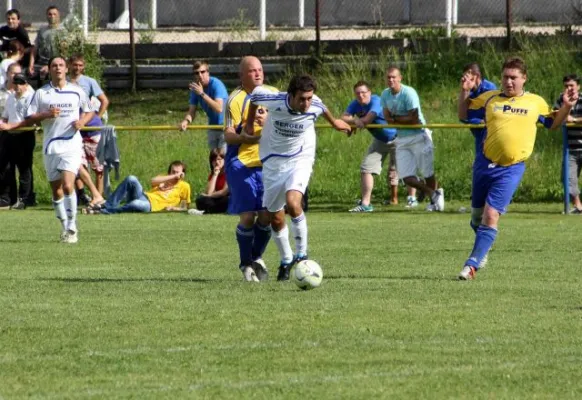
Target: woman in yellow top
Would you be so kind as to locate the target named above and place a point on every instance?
(511, 116)
(169, 193)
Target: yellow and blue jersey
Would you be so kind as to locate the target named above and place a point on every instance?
(236, 115)
(511, 124)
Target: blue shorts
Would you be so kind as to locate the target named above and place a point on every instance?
(246, 187)
(494, 184)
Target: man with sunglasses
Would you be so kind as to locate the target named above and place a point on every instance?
(210, 94)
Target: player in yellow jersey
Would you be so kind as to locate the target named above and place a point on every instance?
(511, 116)
(244, 174)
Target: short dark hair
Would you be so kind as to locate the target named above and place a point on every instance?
(52, 7)
(571, 77)
(214, 154)
(54, 58)
(198, 63)
(515, 63)
(361, 83)
(177, 163)
(473, 67)
(13, 11)
(76, 57)
(302, 83)
(15, 47)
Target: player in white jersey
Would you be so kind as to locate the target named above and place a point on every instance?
(287, 151)
(62, 108)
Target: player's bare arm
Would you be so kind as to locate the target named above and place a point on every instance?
(162, 180)
(84, 120)
(188, 118)
(411, 118)
(338, 124)
(467, 83)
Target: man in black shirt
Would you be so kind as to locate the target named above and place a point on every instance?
(13, 30)
(572, 83)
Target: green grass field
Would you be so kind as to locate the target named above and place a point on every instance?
(153, 306)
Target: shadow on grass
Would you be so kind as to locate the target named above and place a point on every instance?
(388, 277)
(109, 280)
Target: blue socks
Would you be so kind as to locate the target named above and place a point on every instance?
(262, 237)
(483, 242)
(245, 238)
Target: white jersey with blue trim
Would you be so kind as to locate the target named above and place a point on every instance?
(286, 133)
(59, 134)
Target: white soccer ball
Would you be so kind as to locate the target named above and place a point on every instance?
(307, 274)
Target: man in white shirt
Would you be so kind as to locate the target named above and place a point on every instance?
(287, 151)
(20, 144)
(62, 108)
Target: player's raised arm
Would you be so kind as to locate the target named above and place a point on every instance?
(467, 82)
(337, 124)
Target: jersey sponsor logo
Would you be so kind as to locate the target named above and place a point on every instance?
(289, 129)
(507, 109)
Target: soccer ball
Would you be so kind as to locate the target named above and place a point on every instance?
(307, 274)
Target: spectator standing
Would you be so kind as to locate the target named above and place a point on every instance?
(46, 46)
(364, 110)
(414, 147)
(209, 94)
(13, 55)
(14, 31)
(90, 138)
(20, 143)
(572, 86)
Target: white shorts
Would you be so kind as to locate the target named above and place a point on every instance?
(414, 154)
(278, 182)
(55, 164)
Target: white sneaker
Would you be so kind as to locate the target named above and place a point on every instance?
(438, 200)
(430, 207)
(467, 273)
(411, 202)
(249, 274)
(194, 211)
(63, 236)
(261, 270)
(71, 237)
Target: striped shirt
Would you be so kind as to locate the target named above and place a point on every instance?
(574, 134)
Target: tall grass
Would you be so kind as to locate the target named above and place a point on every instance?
(336, 176)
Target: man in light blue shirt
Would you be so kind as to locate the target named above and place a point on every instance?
(414, 147)
(209, 94)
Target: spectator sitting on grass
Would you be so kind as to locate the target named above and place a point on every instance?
(169, 193)
(215, 199)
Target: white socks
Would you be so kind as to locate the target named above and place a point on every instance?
(70, 202)
(299, 231)
(281, 239)
(59, 206)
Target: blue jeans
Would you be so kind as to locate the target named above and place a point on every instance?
(135, 200)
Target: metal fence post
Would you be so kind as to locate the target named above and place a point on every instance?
(263, 19)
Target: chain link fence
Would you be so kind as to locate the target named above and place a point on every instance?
(185, 21)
